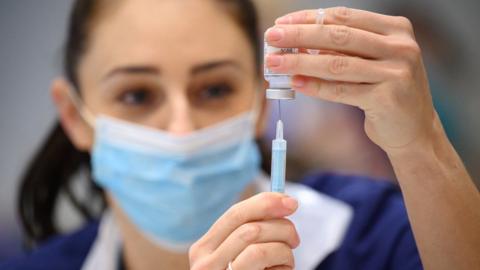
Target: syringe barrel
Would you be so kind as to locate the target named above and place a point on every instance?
(279, 161)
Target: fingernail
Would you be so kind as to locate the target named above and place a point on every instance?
(284, 20)
(290, 203)
(274, 61)
(274, 34)
(298, 82)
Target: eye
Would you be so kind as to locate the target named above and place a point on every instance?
(136, 97)
(216, 91)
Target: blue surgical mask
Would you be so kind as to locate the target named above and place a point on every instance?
(173, 188)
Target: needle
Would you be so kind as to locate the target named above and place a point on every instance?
(279, 110)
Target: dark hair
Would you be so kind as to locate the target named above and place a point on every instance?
(51, 172)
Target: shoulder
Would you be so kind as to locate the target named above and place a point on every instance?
(352, 189)
(60, 252)
(372, 200)
(379, 235)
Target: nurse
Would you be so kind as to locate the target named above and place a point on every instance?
(161, 102)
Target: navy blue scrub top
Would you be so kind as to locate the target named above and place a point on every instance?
(378, 237)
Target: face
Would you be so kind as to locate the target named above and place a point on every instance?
(174, 65)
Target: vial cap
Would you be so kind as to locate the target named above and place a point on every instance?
(280, 94)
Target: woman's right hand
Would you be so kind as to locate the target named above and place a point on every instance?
(253, 234)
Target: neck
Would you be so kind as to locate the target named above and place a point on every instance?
(141, 254)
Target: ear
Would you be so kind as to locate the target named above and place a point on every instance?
(76, 128)
(264, 109)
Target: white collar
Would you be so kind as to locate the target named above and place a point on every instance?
(320, 231)
(105, 249)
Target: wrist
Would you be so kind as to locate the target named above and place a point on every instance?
(431, 143)
(431, 152)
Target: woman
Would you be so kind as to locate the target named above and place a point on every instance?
(162, 95)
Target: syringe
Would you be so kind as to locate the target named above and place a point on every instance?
(279, 89)
(279, 158)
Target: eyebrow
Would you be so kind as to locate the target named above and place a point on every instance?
(214, 65)
(133, 70)
(151, 70)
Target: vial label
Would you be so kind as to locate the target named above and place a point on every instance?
(276, 80)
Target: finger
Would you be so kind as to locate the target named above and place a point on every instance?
(361, 19)
(277, 230)
(264, 206)
(339, 38)
(328, 67)
(353, 94)
(281, 267)
(264, 255)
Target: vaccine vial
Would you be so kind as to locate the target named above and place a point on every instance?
(279, 84)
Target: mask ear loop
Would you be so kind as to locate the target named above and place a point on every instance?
(85, 113)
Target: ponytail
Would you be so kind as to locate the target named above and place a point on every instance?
(49, 175)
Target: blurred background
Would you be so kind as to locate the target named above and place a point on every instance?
(31, 36)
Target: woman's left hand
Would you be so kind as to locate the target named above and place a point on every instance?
(367, 60)
(373, 62)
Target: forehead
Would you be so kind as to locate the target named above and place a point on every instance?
(172, 33)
